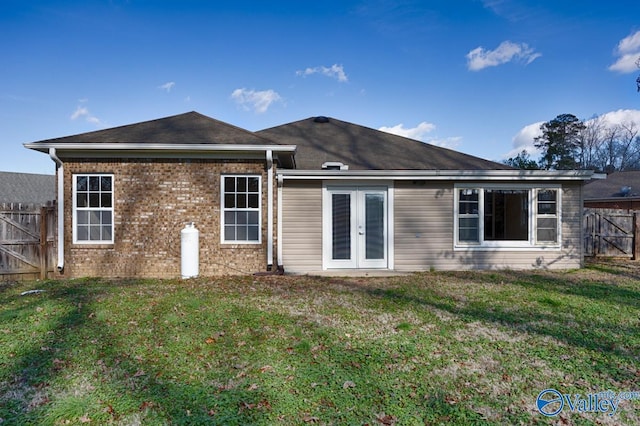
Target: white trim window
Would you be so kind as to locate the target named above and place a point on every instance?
(507, 216)
(93, 209)
(241, 209)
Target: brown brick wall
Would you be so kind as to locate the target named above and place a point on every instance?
(154, 199)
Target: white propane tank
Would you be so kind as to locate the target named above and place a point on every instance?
(190, 251)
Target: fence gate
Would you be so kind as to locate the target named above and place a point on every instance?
(26, 241)
(612, 233)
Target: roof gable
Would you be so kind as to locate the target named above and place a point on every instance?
(187, 128)
(323, 139)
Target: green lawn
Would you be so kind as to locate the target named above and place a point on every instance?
(428, 348)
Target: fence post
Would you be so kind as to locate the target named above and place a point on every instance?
(43, 243)
(636, 235)
(596, 244)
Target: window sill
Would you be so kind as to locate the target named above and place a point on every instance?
(511, 247)
(92, 245)
(225, 244)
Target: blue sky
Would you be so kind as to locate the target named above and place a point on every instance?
(478, 76)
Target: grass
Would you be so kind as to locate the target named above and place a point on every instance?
(428, 348)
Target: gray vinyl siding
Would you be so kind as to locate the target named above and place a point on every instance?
(423, 225)
(423, 231)
(302, 226)
(424, 234)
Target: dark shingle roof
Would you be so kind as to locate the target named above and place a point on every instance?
(187, 128)
(27, 188)
(612, 186)
(362, 148)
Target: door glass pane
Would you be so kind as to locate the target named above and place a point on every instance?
(374, 226)
(341, 224)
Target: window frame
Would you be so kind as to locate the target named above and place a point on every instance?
(532, 242)
(224, 209)
(76, 209)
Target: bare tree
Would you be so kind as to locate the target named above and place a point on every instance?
(591, 138)
(628, 146)
(638, 79)
(608, 149)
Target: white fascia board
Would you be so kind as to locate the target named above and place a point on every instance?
(469, 175)
(159, 147)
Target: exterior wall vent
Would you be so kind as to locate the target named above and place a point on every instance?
(334, 165)
(321, 119)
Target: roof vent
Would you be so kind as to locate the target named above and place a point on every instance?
(334, 165)
(321, 119)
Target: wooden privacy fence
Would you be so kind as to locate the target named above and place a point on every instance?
(27, 235)
(612, 233)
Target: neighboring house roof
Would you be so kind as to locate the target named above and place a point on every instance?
(616, 185)
(187, 128)
(323, 139)
(27, 188)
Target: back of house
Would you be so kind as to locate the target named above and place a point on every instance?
(314, 195)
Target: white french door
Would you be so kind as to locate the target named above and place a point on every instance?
(355, 227)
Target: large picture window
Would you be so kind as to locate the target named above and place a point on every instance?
(241, 209)
(504, 216)
(93, 209)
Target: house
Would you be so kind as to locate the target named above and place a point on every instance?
(620, 190)
(313, 195)
(27, 188)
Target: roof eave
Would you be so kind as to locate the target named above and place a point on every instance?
(468, 175)
(88, 146)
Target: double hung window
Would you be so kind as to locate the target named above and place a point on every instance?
(241, 214)
(93, 208)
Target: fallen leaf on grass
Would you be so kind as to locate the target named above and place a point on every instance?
(310, 419)
(348, 384)
(266, 368)
(85, 419)
(145, 405)
(139, 373)
(252, 386)
(386, 419)
(247, 406)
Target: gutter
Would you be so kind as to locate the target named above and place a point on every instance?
(146, 147)
(469, 175)
(269, 155)
(60, 197)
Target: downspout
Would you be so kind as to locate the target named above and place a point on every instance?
(60, 176)
(269, 210)
(280, 184)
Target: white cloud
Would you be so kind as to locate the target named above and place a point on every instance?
(259, 101)
(334, 71)
(628, 52)
(622, 116)
(525, 139)
(420, 133)
(479, 58)
(83, 112)
(167, 86)
(451, 142)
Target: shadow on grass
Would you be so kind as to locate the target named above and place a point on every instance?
(547, 316)
(56, 377)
